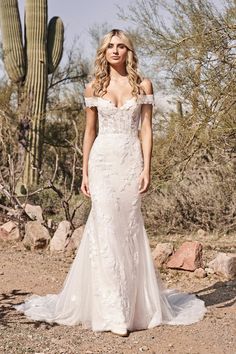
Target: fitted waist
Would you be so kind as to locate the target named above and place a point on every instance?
(133, 134)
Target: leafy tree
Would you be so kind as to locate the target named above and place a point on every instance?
(191, 45)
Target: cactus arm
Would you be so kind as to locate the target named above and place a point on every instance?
(55, 41)
(13, 51)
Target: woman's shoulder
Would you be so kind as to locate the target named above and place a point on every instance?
(89, 91)
(89, 98)
(146, 86)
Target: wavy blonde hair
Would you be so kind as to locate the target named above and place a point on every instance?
(102, 68)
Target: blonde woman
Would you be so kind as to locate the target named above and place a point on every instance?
(112, 284)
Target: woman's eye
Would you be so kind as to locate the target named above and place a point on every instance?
(110, 45)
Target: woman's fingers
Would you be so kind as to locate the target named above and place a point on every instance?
(143, 185)
(140, 183)
(85, 190)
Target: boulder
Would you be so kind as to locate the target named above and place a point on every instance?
(13, 231)
(162, 252)
(36, 236)
(61, 237)
(75, 240)
(224, 264)
(34, 211)
(187, 257)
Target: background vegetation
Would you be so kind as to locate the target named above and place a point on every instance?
(192, 61)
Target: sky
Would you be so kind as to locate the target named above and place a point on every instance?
(79, 15)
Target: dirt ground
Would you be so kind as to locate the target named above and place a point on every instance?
(24, 272)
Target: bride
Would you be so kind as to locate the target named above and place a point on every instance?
(112, 284)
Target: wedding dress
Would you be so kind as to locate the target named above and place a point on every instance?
(112, 283)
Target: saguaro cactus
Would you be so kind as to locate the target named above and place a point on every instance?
(28, 65)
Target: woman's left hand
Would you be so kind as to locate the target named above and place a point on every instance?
(144, 182)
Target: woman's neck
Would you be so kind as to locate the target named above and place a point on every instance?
(117, 73)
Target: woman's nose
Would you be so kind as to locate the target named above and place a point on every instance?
(115, 49)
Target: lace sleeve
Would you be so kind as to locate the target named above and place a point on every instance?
(90, 101)
(147, 99)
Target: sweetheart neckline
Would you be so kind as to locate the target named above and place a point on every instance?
(113, 104)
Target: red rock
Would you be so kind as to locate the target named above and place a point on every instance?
(161, 253)
(187, 257)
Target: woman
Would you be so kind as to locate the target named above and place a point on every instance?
(112, 285)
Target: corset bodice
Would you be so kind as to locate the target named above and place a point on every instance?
(120, 120)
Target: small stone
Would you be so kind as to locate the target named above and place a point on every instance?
(144, 348)
(209, 270)
(162, 252)
(50, 223)
(200, 273)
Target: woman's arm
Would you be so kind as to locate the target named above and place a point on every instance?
(146, 138)
(89, 137)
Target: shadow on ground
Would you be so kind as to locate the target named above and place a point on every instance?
(9, 315)
(221, 293)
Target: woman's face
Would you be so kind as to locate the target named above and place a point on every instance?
(116, 52)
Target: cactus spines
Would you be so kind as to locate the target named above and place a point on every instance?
(54, 43)
(13, 51)
(29, 66)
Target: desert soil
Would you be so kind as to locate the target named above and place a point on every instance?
(25, 272)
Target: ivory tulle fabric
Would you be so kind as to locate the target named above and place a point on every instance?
(112, 283)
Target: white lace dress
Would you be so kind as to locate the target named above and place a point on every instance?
(112, 284)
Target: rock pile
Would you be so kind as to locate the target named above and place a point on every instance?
(189, 257)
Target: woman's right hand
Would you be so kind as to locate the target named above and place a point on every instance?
(85, 186)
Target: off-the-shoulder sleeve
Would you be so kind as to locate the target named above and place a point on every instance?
(90, 101)
(147, 99)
